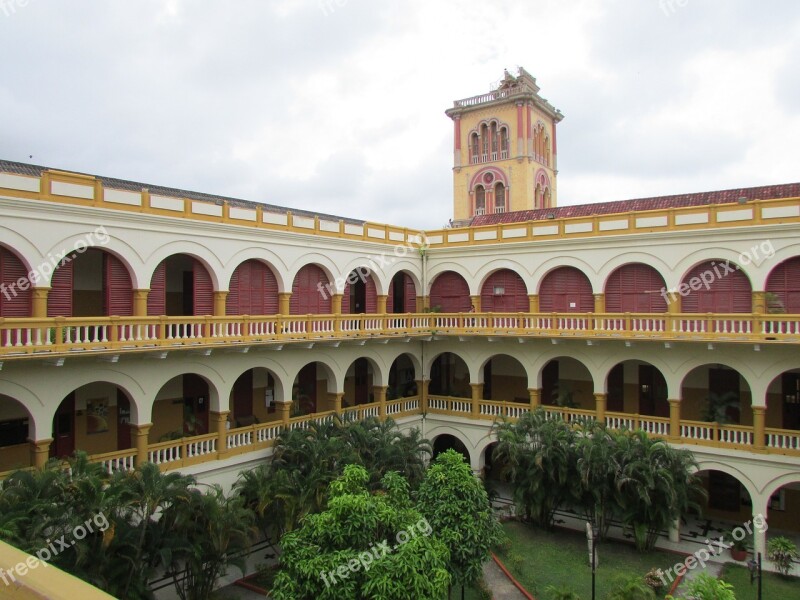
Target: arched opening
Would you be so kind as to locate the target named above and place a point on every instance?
(637, 387)
(15, 302)
(567, 383)
(566, 290)
(782, 510)
(484, 143)
(450, 377)
(783, 288)
(360, 293)
(93, 283)
(716, 286)
(445, 442)
(636, 288)
(181, 286)
(15, 427)
(181, 409)
(358, 384)
(450, 293)
(500, 198)
(95, 418)
(401, 379)
(310, 390)
(716, 393)
(783, 402)
(505, 379)
(253, 290)
(480, 200)
(253, 398)
(727, 505)
(311, 292)
(402, 297)
(504, 291)
(475, 148)
(503, 143)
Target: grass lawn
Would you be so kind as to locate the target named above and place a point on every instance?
(538, 559)
(773, 586)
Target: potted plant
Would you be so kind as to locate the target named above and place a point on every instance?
(738, 547)
(782, 552)
(718, 405)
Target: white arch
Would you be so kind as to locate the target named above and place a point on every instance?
(545, 268)
(265, 256)
(190, 248)
(501, 264)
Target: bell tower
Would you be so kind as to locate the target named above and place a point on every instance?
(504, 149)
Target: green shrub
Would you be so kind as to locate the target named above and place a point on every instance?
(782, 551)
(561, 593)
(630, 588)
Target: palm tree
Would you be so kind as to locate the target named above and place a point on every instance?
(597, 467)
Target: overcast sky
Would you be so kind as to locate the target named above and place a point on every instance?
(338, 105)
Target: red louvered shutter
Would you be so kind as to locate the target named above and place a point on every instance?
(203, 290)
(232, 301)
(372, 296)
(411, 294)
(59, 301)
(390, 298)
(726, 293)
(306, 295)
(566, 290)
(514, 297)
(784, 283)
(635, 288)
(346, 299)
(157, 298)
(118, 286)
(14, 302)
(450, 292)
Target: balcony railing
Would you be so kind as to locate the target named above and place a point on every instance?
(206, 448)
(35, 337)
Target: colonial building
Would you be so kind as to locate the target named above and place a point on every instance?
(143, 323)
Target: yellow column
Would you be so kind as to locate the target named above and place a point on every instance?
(219, 423)
(335, 402)
(760, 303)
(336, 309)
(422, 391)
(476, 302)
(40, 452)
(140, 303)
(284, 409)
(141, 435)
(379, 392)
(39, 302)
(219, 303)
(599, 303)
(536, 397)
(674, 420)
(759, 429)
(533, 301)
(381, 309)
(423, 302)
(477, 396)
(284, 300)
(600, 401)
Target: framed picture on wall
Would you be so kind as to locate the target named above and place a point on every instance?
(97, 415)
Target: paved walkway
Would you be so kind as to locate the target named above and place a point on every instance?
(501, 586)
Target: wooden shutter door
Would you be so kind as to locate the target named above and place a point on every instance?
(784, 282)
(18, 303)
(563, 287)
(635, 288)
(306, 297)
(390, 298)
(451, 293)
(514, 297)
(203, 290)
(157, 298)
(372, 296)
(232, 301)
(59, 301)
(728, 293)
(118, 287)
(410, 294)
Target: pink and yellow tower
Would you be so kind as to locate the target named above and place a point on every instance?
(505, 153)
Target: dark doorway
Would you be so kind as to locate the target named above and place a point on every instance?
(652, 392)
(195, 405)
(550, 383)
(723, 388)
(791, 401)
(362, 381)
(123, 421)
(243, 399)
(616, 389)
(64, 429)
(358, 297)
(448, 442)
(398, 293)
(724, 491)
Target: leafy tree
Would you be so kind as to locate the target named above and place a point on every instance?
(456, 505)
(597, 466)
(208, 532)
(364, 545)
(540, 457)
